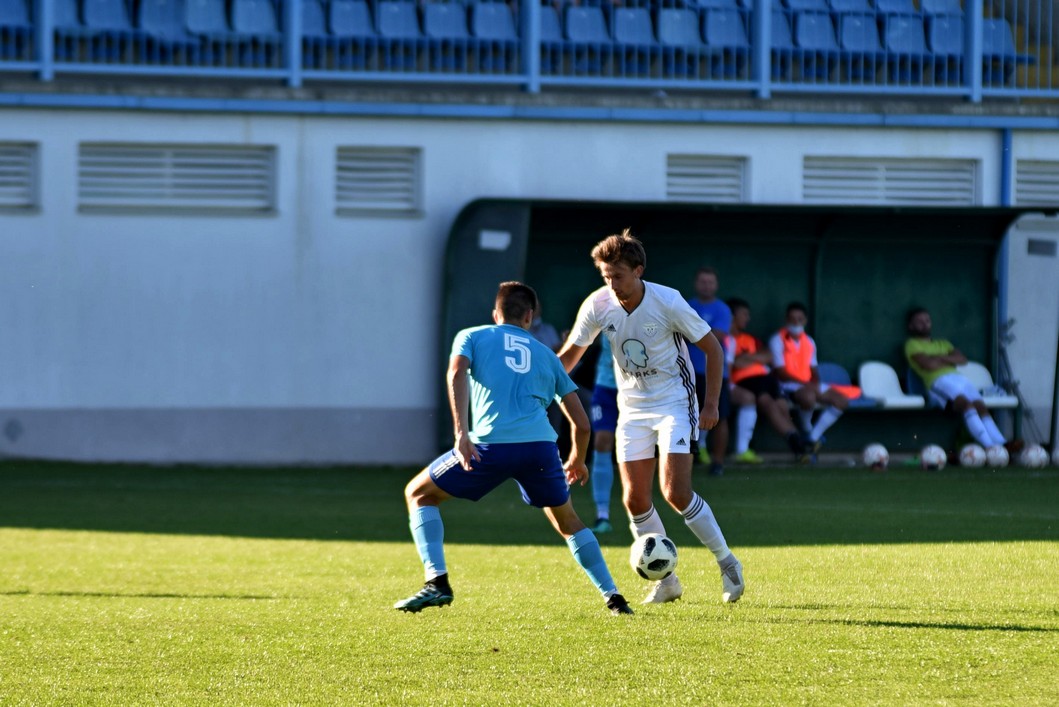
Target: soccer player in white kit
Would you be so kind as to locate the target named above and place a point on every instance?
(647, 325)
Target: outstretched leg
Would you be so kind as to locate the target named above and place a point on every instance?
(585, 549)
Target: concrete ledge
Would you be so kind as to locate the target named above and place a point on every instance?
(254, 436)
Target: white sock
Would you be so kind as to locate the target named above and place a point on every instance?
(827, 418)
(806, 416)
(993, 431)
(745, 427)
(645, 523)
(699, 518)
(976, 428)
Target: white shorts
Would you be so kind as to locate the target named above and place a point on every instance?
(788, 388)
(639, 432)
(951, 386)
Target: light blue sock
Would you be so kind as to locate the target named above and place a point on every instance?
(602, 481)
(429, 532)
(585, 548)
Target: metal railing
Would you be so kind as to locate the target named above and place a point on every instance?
(974, 49)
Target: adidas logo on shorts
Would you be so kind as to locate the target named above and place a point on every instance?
(681, 442)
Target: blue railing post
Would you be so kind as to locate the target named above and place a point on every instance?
(46, 38)
(530, 19)
(292, 41)
(972, 65)
(762, 38)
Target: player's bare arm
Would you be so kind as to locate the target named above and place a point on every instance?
(581, 434)
(459, 403)
(709, 345)
(570, 354)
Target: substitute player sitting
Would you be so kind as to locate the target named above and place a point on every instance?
(508, 379)
(647, 325)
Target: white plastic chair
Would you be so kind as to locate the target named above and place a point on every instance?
(992, 395)
(879, 380)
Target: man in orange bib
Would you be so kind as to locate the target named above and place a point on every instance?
(794, 361)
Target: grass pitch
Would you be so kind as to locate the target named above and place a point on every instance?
(129, 585)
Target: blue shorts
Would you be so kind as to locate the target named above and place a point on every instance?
(723, 401)
(604, 412)
(535, 467)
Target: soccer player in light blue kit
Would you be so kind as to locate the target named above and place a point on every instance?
(508, 379)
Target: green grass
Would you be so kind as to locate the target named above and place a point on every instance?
(129, 585)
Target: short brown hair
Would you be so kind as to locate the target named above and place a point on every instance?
(514, 300)
(620, 248)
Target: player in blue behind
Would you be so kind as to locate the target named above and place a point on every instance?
(508, 379)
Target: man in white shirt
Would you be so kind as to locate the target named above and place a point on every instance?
(646, 325)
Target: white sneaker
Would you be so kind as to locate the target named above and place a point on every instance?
(664, 590)
(732, 582)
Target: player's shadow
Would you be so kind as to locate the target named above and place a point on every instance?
(756, 507)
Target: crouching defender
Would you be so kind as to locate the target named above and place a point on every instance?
(508, 379)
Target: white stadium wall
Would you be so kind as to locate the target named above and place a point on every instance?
(307, 334)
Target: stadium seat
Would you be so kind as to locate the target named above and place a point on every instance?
(353, 34)
(590, 45)
(814, 36)
(858, 36)
(445, 27)
(713, 4)
(399, 36)
(879, 380)
(946, 41)
(904, 40)
(493, 25)
(896, 7)
(16, 31)
(993, 395)
(257, 26)
(782, 45)
(168, 39)
(110, 33)
(726, 41)
(808, 5)
(315, 42)
(845, 7)
(998, 53)
(836, 374)
(681, 43)
(635, 42)
(941, 7)
(552, 44)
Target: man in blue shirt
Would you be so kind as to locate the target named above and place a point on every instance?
(507, 379)
(717, 314)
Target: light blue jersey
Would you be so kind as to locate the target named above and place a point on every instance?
(514, 378)
(605, 365)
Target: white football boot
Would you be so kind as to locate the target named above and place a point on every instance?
(732, 582)
(664, 590)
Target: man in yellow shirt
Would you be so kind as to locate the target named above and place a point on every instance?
(935, 361)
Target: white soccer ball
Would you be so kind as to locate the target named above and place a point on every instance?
(933, 457)
(972, 455)
(653, 556)
(876, 457)
(1034, 456)
(997, 456)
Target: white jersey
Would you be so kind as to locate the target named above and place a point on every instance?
(650, 355)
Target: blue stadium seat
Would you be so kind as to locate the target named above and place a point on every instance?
(400, 38)
(836, 374)
(445, 27)
(207, 17)
(808, 5)
(904, 39)
(946, 41)
(999, 57)
(257, 25)
(315, 42)
(896, 7)
(842, 7)
(727, 42)
(353, 34)
(586, 31)
(714, 4)
(941, 7)
(814, 36)
(16, 32)
(637, 48)
(681, 41)
(493, 25)
(782, 45)
(858, 36)
(111, 35)
(552, 44)
(168, 39)
(70, 38)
